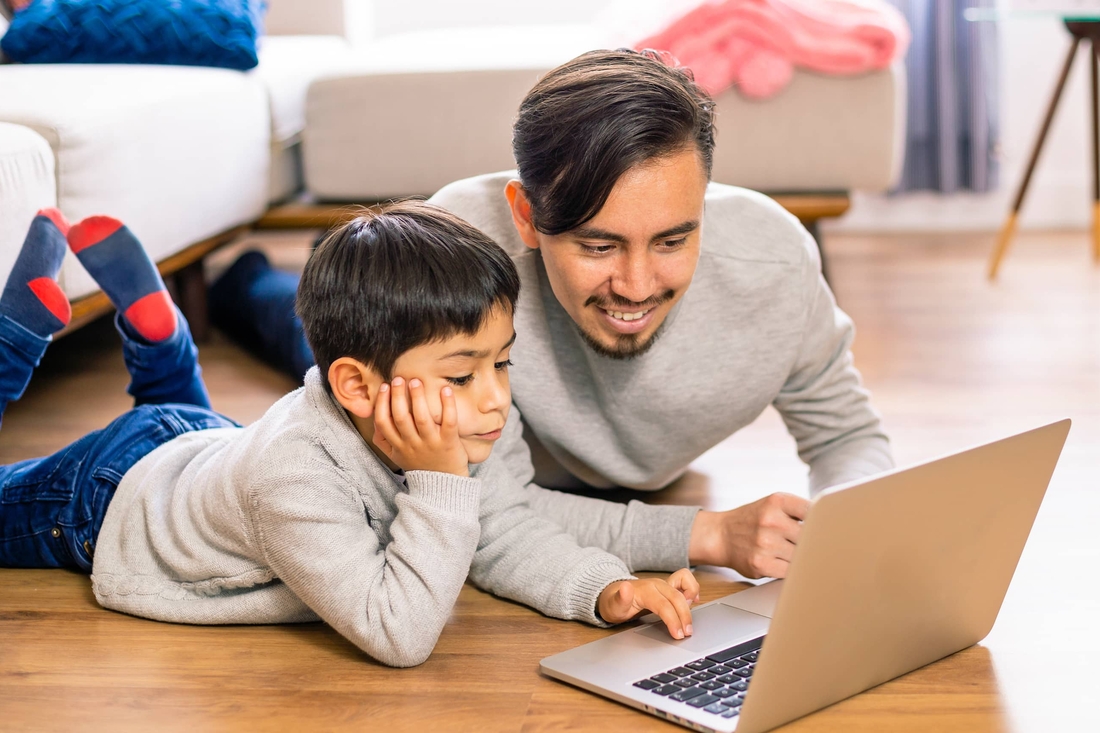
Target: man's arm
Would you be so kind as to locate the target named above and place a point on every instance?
(823, 403)
(644, 536)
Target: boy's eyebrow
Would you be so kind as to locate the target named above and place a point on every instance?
(470, 354)
(605, 236)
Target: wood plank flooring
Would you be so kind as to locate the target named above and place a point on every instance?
(951, 361)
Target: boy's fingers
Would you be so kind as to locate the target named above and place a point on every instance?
(422, 416)
(685, 582)
(399, 409)
(680, 605)
(384, 431)
(663, 607)
(450, 413)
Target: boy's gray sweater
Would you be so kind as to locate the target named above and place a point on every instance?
(758, 326)
(295, 519)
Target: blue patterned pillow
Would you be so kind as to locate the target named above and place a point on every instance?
(180, 32)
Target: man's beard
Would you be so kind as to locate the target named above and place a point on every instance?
(627, 345)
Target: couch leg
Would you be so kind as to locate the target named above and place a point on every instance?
(191, 294)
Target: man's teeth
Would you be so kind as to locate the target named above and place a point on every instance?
(625, 316)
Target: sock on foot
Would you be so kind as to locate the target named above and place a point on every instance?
(32, 298)
(114, 257)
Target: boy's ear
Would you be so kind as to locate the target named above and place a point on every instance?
(521, 213)
(354, 385)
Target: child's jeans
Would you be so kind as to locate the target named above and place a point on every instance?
(51, 509)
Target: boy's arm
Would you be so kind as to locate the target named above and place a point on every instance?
(644, 536)
(528, 558)
(391, 601)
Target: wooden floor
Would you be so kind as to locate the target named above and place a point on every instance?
(951, 361)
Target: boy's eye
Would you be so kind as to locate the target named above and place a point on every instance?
(460, 381)
(502, 365)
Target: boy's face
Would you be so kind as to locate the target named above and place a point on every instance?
(476, 369)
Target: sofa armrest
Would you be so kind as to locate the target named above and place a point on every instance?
(311, 17)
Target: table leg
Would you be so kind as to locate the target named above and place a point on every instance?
(1009, 227)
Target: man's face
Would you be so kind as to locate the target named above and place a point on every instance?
(619, 274)
(476, 369)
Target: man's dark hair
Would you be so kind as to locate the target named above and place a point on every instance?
(591, 119)
(387, 282)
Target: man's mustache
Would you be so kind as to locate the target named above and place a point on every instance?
(607, 302)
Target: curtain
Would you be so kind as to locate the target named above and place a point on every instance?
(952, 120)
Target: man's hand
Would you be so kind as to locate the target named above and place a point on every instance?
(757, 540)
(671, 600)
(410, 437)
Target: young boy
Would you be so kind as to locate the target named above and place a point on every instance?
(365, 498)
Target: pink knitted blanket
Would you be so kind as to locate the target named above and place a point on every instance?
(754, 45)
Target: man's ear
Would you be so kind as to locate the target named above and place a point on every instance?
(521, 213)
(354, 385)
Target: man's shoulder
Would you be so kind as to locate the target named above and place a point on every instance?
(481, 201)
(743, 224)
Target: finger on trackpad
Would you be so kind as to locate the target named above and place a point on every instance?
(713, 625)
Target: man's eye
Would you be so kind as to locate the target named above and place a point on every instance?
(502, 365)
(675, 243)
(460, 381)
(597, 249)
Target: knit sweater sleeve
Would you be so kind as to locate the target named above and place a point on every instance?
(528, 558)
(391, 601)
(823, 403)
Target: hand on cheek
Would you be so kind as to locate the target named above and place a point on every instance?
(406, 431)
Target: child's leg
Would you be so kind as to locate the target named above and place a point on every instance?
(32, 306)
(157, 345)
(52, 508)
(253, 304)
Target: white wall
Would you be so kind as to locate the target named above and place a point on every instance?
(1032, 51)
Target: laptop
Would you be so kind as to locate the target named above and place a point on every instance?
(891, 573)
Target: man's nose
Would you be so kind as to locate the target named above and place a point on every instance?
(633, 279)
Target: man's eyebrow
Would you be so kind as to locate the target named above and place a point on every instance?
(606, 236)
(470, 354)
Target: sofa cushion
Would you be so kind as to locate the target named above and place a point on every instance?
(26, 185)
(178, 153)
(219, 33)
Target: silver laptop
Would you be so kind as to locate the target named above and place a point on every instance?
(891, 573)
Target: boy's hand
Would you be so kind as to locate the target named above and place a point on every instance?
(406, 432)
(671, 600)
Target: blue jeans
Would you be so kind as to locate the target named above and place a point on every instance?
(51, 508)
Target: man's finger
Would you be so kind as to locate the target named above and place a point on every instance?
(794, 506)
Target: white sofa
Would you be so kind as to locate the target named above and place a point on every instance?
(180, 154)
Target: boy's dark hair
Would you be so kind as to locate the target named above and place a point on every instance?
(387, 282)
(591, 119)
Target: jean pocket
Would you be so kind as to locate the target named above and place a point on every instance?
(41, 480)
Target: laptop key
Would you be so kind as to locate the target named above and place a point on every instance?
(699, 664)
(751, 656)
(702, 701)
(737, 663)
(664, 678)
(685, 695)
(731, 713)
(666, 690)
(715, 708)
(743, 672)
(733, 702)
(720, 669)
(647, 684)
(740, 686)
(680, 671)
(685, 682)
(703, 676)
(712, 685)
(736, 651)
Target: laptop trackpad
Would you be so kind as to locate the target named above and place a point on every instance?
(714, 625)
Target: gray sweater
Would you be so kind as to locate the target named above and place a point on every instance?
(295, 519)
(758, 326)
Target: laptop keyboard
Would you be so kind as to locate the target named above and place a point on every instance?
(717, 683)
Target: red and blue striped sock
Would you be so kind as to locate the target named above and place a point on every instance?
(114, 257)
(32, 297)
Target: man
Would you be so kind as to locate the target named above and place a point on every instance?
(658, 316)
